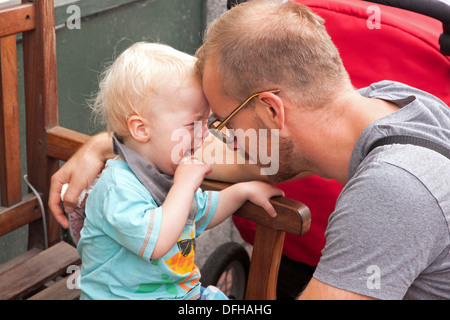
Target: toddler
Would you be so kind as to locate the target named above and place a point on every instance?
(146, 209)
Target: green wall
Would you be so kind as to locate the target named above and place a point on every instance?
(107, 27)
(104, 34)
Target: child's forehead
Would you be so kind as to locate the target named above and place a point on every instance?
(180, 87)
(182, 95)
(175, 79)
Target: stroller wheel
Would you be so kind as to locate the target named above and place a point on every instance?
(227, 269)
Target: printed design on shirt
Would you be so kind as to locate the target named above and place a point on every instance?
(152, 287)
(180, 263)
(186, 246)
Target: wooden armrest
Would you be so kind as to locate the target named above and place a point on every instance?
(292, 216)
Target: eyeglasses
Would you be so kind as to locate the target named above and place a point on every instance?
(220, 129)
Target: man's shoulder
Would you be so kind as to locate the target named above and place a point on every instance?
(393, 90)
(401, 164)
(383, 166)
(387, 215)
(399, 177)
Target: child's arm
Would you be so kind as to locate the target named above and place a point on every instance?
(233, 197)
(187, 179)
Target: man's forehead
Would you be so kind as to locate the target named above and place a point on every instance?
(210, 76)
(212, 86)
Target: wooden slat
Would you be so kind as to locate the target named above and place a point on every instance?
(17, 19)
(265, 263)
(19, 259)
(19, 214)
(57, 291)
(39, 53)
(10, 172)
(292, 216)
(30, 275)
(63, 142)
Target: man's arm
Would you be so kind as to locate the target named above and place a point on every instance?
(317, 290)
(227, 165)
(234, 168)
(79, 172)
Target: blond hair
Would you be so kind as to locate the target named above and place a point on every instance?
(128, 86)
(268, 44)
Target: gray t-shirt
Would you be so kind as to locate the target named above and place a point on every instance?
(389, 236)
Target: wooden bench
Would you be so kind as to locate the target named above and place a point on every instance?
(32, 275)
(42, 272)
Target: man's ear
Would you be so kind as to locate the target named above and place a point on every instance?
(272, 110)
(138, 128)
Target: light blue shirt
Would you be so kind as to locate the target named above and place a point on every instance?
(120, 232)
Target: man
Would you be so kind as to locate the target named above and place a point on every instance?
(389, 235)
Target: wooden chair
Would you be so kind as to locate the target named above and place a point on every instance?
(35, 274)
(292, 216)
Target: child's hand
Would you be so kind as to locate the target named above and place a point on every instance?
(233, 197)
(260, 193)
(191, 171)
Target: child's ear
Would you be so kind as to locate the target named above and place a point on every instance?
(138, 128)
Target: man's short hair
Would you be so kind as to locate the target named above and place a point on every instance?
(273, 44)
